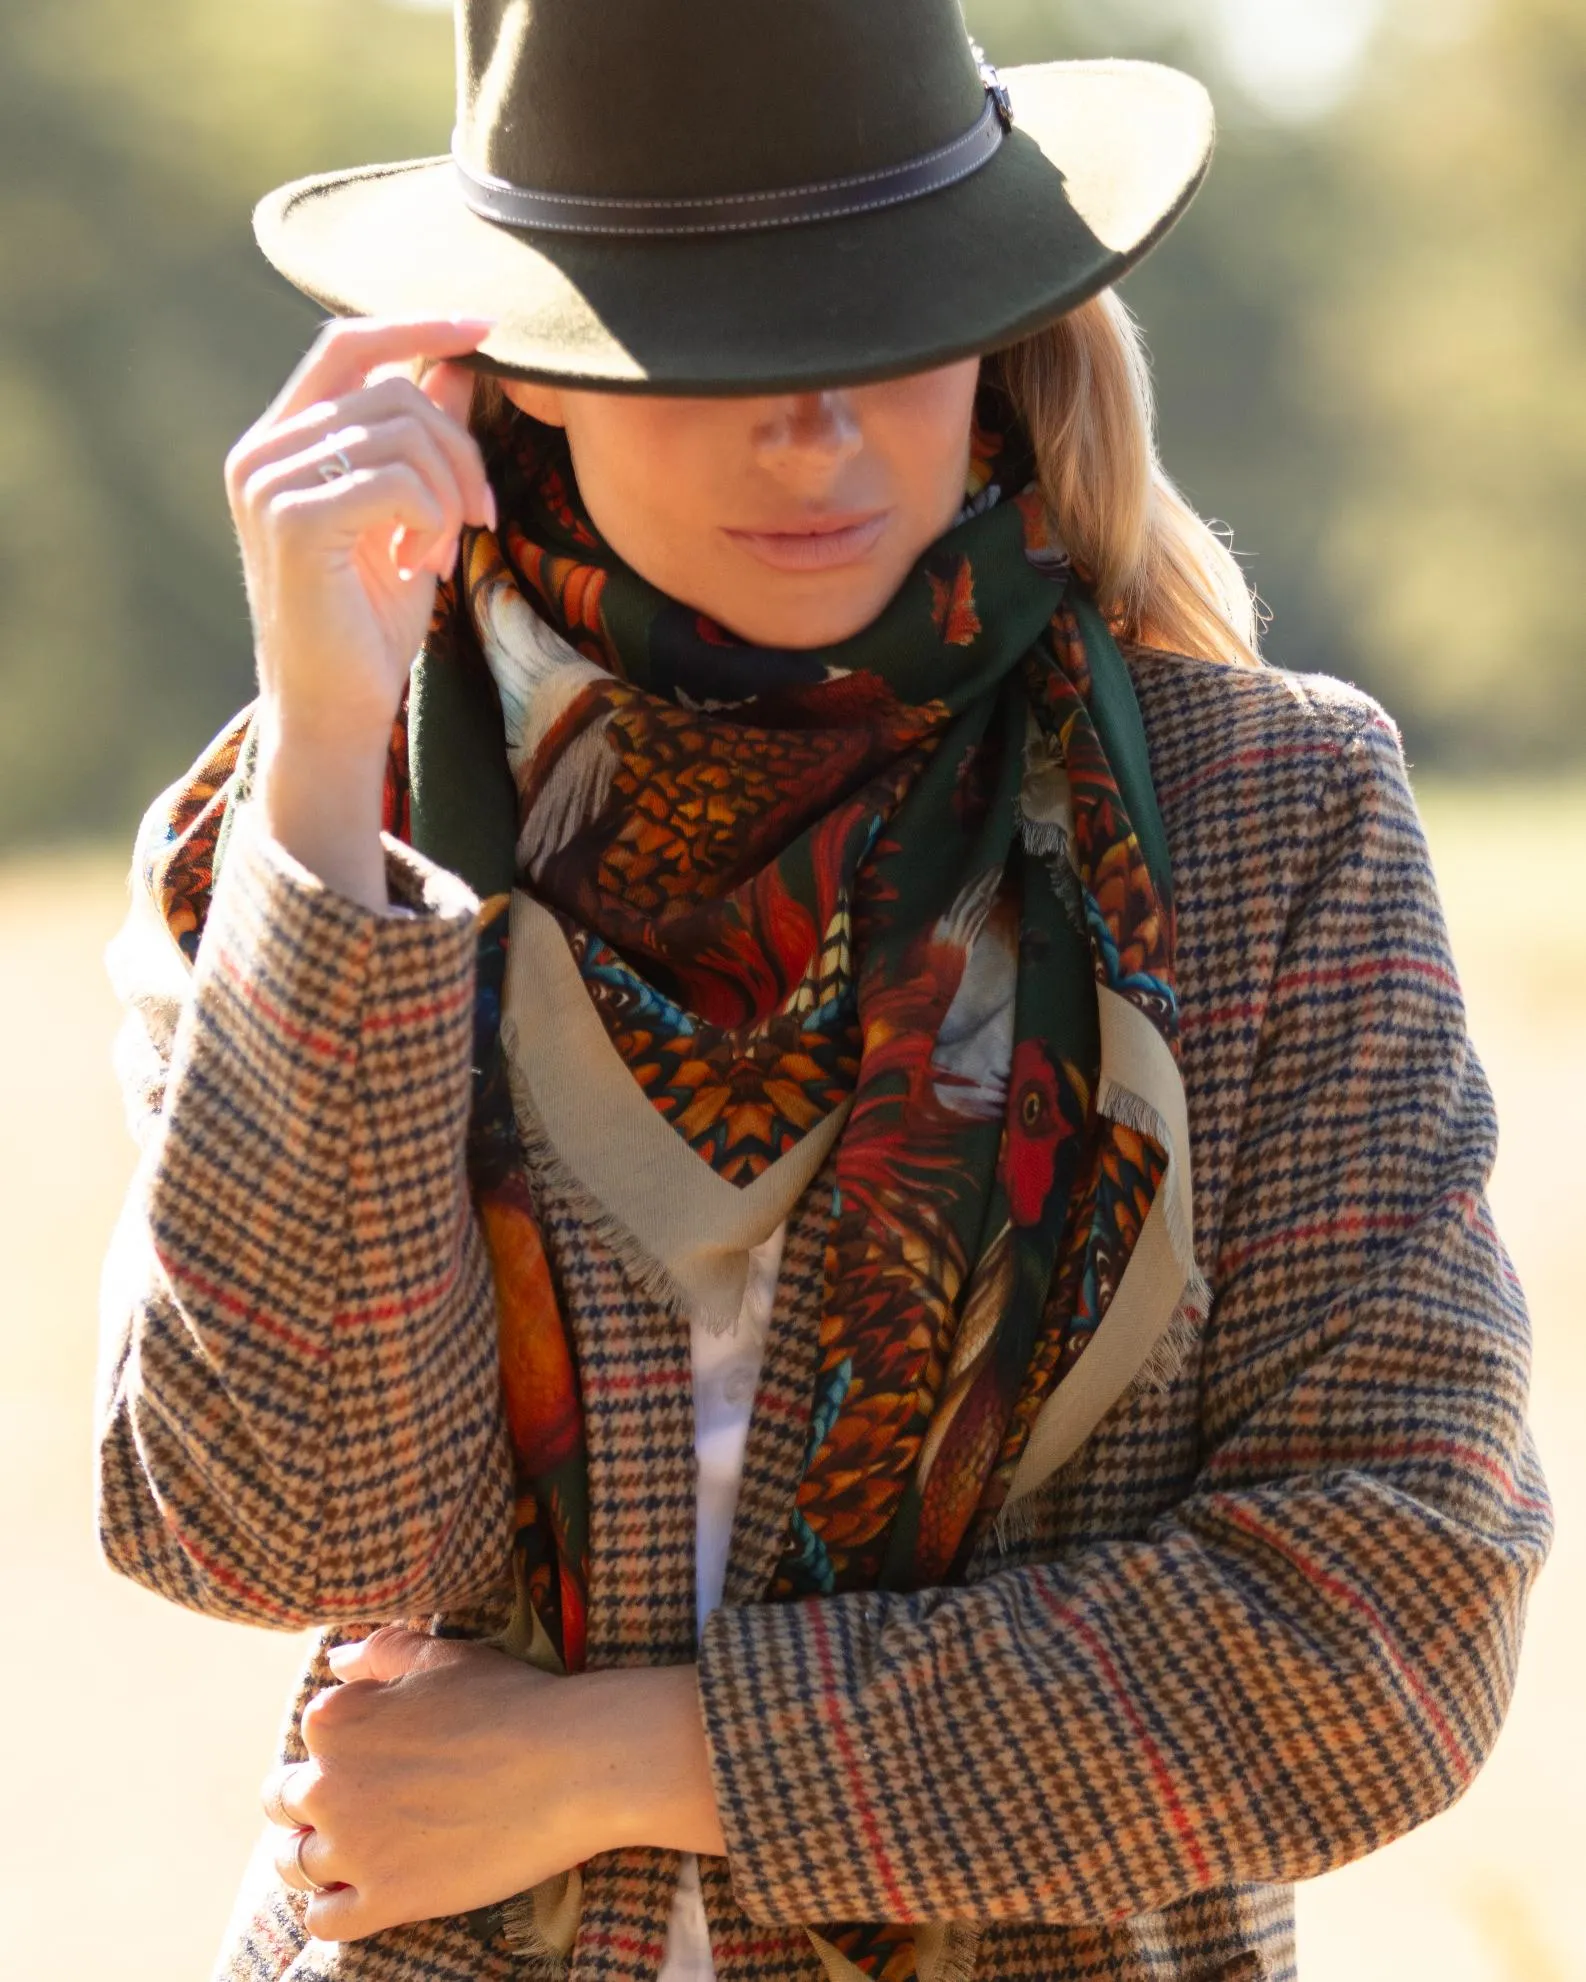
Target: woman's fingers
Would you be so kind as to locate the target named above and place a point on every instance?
(347, 349)
(305, 1860)
(304, 510)
(420, 444)
(450, 389)
(444, 420)
(340, 1915)
(400, 414)
(283, 1792)
(393, 1652)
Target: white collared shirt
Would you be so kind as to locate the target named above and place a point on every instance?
(726, 1375)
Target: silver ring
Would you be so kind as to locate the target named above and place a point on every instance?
(297, 1860)
(333, 469)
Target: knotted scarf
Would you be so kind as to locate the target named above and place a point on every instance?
(891, 919)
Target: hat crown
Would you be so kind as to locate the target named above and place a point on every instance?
(690, 99)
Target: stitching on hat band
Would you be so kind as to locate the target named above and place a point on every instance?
(828, 199)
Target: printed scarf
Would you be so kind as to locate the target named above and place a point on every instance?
(894, 915)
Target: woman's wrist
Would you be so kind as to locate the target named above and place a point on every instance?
(646, 1763)
(322, 800)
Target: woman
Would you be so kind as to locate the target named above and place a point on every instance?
(820, 1195)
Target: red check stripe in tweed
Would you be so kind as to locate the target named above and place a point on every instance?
(1267, 1619)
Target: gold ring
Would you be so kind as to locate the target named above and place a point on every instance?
(311, 1884)
(274, 1800)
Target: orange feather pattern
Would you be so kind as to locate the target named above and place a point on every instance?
(953, 605)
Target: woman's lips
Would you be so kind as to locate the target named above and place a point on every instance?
(819, 547)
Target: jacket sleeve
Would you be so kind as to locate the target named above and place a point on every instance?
(299, 1418)
(1313, 1650)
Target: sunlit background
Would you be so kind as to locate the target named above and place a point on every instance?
(1370, 343)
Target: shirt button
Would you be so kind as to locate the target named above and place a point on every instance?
(739, 1387)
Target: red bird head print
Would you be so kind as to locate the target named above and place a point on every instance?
(1045, 1108)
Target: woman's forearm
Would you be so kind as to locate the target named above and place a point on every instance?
(648, 1769)
(321, 800)
(300, 1324)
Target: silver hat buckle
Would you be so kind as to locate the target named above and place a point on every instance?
(993, 85)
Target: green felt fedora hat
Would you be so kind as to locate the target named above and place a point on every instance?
(750, 195)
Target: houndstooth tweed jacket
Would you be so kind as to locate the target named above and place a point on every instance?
(1265, 1620)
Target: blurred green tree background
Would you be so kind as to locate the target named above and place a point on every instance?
(1369, 334)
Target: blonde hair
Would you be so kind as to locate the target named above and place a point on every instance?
(1082, 386)
(1161, 576)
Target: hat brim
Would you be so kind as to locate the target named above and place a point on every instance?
(1102, 159)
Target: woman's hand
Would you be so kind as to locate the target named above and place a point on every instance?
(341, 569)
(341, 572)
(444, 1775)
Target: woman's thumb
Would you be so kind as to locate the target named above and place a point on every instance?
(387, 1654)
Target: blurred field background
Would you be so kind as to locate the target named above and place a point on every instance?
(1370, 341)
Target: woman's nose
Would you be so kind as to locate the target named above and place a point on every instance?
(817, 428)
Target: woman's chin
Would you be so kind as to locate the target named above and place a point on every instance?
(821, 610)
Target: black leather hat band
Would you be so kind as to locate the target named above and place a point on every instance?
(737, 213)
